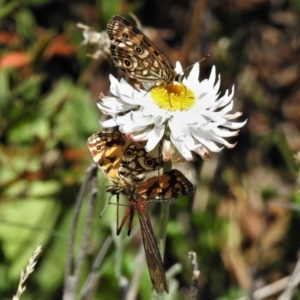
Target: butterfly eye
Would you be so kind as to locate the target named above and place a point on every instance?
(98, 148)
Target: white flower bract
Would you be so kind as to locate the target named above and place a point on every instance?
(199, 127)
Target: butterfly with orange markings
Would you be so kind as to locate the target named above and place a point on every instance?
(136, 173)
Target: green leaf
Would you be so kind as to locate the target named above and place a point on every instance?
(25, 23)
(4, 90)
(8, 8)
(29, 89)
(54, 260)
(24, 225)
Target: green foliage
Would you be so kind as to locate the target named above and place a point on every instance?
(7, 8)
(48, 94)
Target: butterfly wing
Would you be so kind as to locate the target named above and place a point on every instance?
(165, 187)
(137, 165)
(124, 162)
(106, 149)
(136, 55)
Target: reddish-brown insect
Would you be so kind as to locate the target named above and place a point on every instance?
(155, 265)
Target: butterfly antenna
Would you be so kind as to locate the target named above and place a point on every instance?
(136, 19)
(199, 61)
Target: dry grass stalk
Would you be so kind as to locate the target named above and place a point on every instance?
(29, 269)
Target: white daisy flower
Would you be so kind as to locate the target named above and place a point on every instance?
(191, 117)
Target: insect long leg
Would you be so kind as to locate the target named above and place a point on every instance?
(118, 215)
(130, 220)
(127, 214)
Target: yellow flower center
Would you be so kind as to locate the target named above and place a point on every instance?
(174, 96)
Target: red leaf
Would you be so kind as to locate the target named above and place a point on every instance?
(59, 46)
(14, 60)
(6, 38)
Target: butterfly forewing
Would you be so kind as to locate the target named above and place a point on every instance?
(106, 151)
(123, 161)
(136, 55)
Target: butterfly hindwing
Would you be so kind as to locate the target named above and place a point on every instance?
(168, 186)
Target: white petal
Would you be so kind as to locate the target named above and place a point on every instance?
(192, 80)
(205, 139)
(140, 135)
(183, 150)
(109, 123)
(177, 130)
(154, 137)
(178, 67)
(233, 116)
(224, 132)
(234, 125)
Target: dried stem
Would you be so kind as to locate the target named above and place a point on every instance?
(136, 279)
(92, 278)
(268, 290)
(73, 270)
(292, 285)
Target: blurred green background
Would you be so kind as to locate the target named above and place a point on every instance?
(240, 222)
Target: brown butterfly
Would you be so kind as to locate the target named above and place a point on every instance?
(136, 55)
(127, 163)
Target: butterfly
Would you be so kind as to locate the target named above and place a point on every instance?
(136, 55)
(131, 170)
(127, 163)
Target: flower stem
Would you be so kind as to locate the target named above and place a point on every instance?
(164, 218)
(163, 223)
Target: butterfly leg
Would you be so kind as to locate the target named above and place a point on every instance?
(130, 220)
